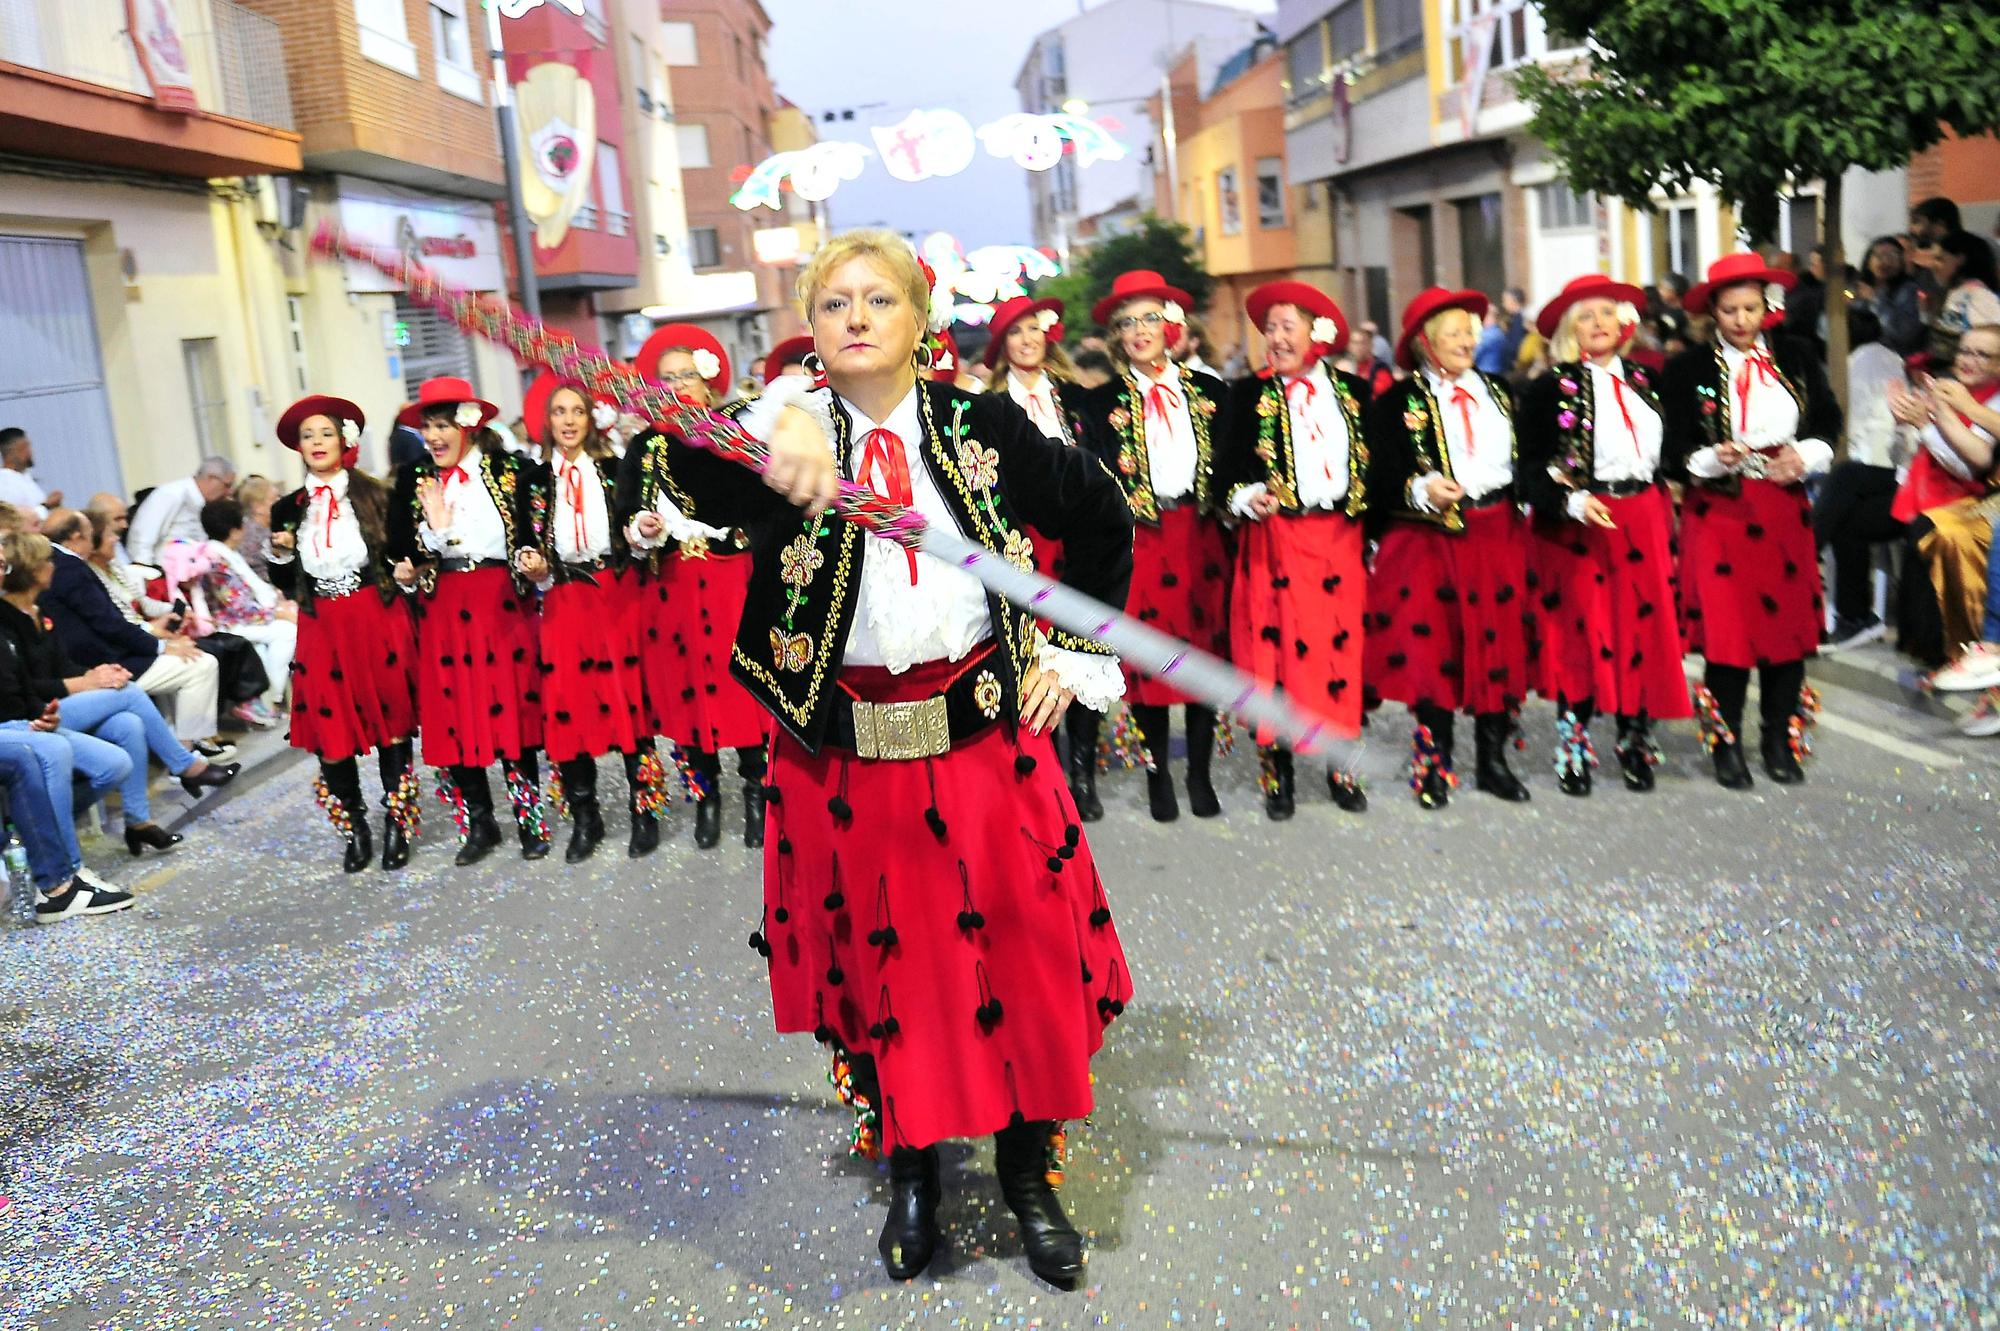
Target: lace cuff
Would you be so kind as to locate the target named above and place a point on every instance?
(788, 390)
(1816, 454)
(1243, 496)
(1096, 680)
(1420, 491)
(1706, 464)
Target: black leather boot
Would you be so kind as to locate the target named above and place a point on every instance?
(1021, 1162)
(1635, 753)
(753, 812)
(530, 817)
(579, 778)
(1202, 802)
(1160, 797)
(1780, 763)
(1346, 791)
(909, 1233)
(482, 832)
(1731, 772)
(645, 825)
(401, 795)
(1081, 727)
(340, 783)
(1280, 798)
(1573, 775)
(1779, 687)
(708, 807)
(1491, 731)
(1433, 787)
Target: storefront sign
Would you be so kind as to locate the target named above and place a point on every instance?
(156, 37)
(457, 239)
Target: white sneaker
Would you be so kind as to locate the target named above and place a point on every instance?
(1978, 668)
(71, 904)
(86, 878)
(1983, 721)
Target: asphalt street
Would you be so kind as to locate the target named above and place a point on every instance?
(1687, 1059)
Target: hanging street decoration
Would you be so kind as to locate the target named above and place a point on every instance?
(926, 145)
(975, 282)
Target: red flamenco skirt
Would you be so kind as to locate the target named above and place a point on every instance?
(1448, 614)
(595, 693)
(1605, 621)
(478, 671)
(973, 956)
(697, 604)
(354, 683)
(1296, 612)
(1750, 589)
(1180, 586)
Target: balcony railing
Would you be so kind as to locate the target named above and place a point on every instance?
(237, 57)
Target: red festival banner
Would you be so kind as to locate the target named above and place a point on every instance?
(163, 56)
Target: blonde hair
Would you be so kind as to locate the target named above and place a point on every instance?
(1055, 364)
(886, 249)
(255, 490)
(1431, 325)
(12, 520)
(26, 552)
(1564, 348)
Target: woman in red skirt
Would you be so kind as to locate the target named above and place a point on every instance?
(1293, 463)
(699, 582)
(593, 686)
(931, 908)
(354, 675)
(1025, 360)
(1603, 549)
(1748, 420)
(459, 520)
(1447, 602)
(1154, 426)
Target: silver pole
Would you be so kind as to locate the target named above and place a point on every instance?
(517, 212)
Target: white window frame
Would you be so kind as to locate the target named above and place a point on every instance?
(460, 80)
(611, 191)
(672, 32)
(384, 30)
(694, 250)
(685, 134)
(1277, 172)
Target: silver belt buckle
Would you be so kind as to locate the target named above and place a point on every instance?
(900, 731)
(346, 584)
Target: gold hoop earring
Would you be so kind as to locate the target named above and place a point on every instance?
(926, 358)
(812, 364)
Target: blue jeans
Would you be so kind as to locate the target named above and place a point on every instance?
(127, 718)
(1991, 631)
(41, 767)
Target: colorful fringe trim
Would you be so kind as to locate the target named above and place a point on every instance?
(694, 786)
(1804, 717)
(1225, 734)
(867, 1143)
(650, 799)
(337, 813)
(1125, 745)
(1648, 747)
(526, 800)
(452, 798)
(1058, 1155)
(1425, 758)
(405, 804)
(558, 798)
(1267, 771)
(1574, 752)
(1715, 731)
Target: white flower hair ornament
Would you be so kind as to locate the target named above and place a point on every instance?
(350, 431)
(603, 415)
(1628, 314)
(1325, 331)
(467, 416)
(705, 363)
(1172, 312)
(1774, 297)
(1047, 319)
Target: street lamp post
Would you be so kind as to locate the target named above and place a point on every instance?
(517, 213)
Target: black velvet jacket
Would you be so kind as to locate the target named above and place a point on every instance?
(1695, 393)
(1406, 440)
(520, 490)
(542, 524)
(1254, 441)
(1114, 415)
(369, 499)
(997, 472)
(1556, 434)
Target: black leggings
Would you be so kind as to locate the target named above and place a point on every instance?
(1778, 693)
(1851, 514)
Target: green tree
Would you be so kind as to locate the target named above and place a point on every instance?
(1165, 247)
(1757, 96)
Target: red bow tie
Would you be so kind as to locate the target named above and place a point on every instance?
(332, 512)
(572, 479)
(885, 469)
(1760, 362)
(1463, 400)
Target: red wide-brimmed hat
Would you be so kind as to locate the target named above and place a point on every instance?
(1419, 312)
(1139, 284)
(945, 361)
(1010, 312)
(1733, 270)
(692, 336)
(791, 351)
(446, 391)
(337, 409)
(1315, 303)
(535, 407)
(1591, 286)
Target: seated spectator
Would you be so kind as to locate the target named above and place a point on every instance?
(99, 704)
(242, 677)
(1854, 508)
(1978, 669)
(1964, 268)
(93, 631)
(114, 513)
(1889, 292)
(173, 511)
(256, 494)
(17, 486)
(233, 597)
(12, 520)
(1958, 421)
(41, 805)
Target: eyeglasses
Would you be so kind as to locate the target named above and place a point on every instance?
(1131, 321)
(682, 378)
(1979, 357)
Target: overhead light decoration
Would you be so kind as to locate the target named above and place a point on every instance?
(982, 278)
(927, 145)
(516, 8)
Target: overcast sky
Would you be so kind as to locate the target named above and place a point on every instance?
(908, 54)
